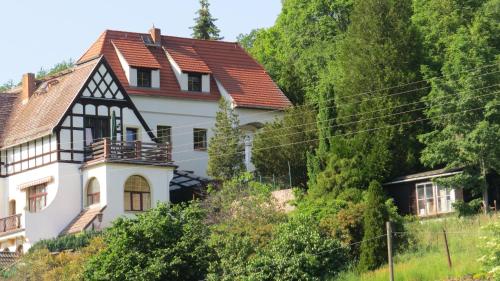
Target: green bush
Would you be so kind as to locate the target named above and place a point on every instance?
(373, 249)
(490, 246)
(165, 243)
(67, 242)
(466, 209)
(298, 251)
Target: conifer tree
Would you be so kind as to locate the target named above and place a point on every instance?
(226, 151)
(374, 247)
(205, 27)
(378, 53)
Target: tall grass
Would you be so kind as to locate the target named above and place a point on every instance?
(425, 257)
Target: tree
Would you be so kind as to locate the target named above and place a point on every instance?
(286, 142)
(463, 107)
(370, 140)
(296, 50)
(225, 152)
(374, 247)
(205, 27)
(298, 251)
(165, 243)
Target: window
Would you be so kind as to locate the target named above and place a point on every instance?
(93, 192)
(143, 78)
(194, 82)
(37, 198)
(433, 199)
(164, 134)
(200, 139)
(131, 134)
(137, 195)
(96, 128)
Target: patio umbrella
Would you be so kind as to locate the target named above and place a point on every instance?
(113, 126)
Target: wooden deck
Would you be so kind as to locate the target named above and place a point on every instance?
(128, 152)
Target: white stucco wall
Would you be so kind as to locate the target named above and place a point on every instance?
(184, 115)
(112, 178)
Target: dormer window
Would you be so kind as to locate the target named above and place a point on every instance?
(143, 78)
(194, 82)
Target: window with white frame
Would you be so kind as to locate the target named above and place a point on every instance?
(434, 199)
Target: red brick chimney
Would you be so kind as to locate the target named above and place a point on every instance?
(28, 85)
(156, 35)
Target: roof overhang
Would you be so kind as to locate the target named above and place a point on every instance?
(417, 178)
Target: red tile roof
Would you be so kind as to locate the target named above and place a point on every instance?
(186, 57)
(136, 54)
(42, 112)
(246, 81)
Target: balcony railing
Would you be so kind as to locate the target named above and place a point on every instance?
(10, 223)
(137, 151)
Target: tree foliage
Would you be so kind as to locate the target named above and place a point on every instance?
(225, 152)
(284, 142)
(165, 243)
(463, 107)
(374, 248)
(205, 27)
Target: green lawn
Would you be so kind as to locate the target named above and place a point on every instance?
(426, 257)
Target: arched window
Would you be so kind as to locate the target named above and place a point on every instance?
(93, 192)
(137, 195)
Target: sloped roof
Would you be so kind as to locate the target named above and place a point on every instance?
(246, 81)
(426, 175)
(37, 117)
(83, 220)
(136, 53)
(7, 259)
(187, 179)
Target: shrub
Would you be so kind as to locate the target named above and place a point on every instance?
(67, 242)
(165, 243)
(373, 249)
(490, 246)
(466, 209)
(298, 251)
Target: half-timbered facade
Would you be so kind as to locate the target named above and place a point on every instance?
(67, 163)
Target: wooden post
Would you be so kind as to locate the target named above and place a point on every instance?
(138, 150)
(290, 174)
(389, 250)
(447, 248)
(106, 148)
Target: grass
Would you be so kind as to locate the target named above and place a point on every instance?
(425, 258)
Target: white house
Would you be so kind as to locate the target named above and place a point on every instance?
(118, 132)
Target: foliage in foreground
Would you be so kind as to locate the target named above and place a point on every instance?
(165, 243)
(490, 247)
(67, 242)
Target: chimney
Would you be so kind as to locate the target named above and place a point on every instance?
(156, 35)
(28, 85)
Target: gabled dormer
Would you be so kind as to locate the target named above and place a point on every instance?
(141, 68)
(192, 73)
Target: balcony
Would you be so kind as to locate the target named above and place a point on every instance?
(10, 223)
(136, 152)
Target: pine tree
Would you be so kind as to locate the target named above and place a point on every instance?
(463, 107)
(225, 152)
(376, 55)
(374, 247)
(205, 27)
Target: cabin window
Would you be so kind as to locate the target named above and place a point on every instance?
(37, 198)
(137, 195)
(200, 139)
(164, 134)
(143, 78)
(194, 82)
(93, 192)
(433, 199)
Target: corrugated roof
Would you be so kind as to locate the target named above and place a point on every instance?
(246, 81)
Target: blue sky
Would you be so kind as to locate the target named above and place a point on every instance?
(39, 34)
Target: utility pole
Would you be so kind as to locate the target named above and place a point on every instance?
(389, 250)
